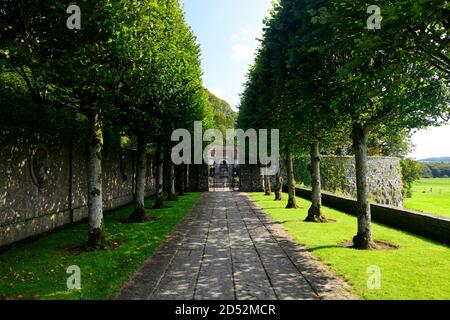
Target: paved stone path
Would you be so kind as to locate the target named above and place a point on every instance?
(227, 248)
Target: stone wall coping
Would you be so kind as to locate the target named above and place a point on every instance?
(372, 204)
(419, 223)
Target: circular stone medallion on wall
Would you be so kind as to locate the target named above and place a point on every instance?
(39, 169)
(123, 168)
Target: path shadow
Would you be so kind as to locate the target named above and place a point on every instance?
(324, 247)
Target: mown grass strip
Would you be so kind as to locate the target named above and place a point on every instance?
(37, 270)
(419, 269)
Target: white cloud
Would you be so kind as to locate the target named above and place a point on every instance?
(243, 35)
(244, 44)
(241, 52)
(219, 92)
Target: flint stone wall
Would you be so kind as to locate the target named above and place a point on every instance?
(198, 177)
(422, 224)
(339, 176)
(40, 194)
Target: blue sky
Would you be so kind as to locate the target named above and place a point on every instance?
(227, 32)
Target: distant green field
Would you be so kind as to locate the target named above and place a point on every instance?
(431, 196)
(417, 270)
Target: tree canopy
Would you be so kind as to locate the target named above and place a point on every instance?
(322, 76)
(132, 68)
(224, 116)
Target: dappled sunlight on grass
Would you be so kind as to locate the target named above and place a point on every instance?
(419, 269)
(37, 270)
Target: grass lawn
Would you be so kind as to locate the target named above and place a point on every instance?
(419, 269)
(37, 270)
(431, 196)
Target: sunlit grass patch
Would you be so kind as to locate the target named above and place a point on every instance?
(418, 269)
(37, 270)
(431, 195)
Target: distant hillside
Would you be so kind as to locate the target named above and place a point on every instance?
(441, 159)
(436, 169)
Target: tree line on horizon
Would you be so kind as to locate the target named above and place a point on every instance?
(435, 169)
(325, 80)
(132, 73)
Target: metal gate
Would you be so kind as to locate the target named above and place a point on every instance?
(223, 177)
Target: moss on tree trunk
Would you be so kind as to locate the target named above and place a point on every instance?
(138, 214)
(268, 191)
(363, 239)
(180, 174)
(292, 203)
(96, 234)
(278, 187)
(172, 193)
(159, 202)
(315, 211)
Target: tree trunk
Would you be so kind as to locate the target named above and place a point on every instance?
(292, 203)
(138, 214)
(180, 179)
(186, 174)
(95, 197)
(363, 239)
(172, 193)
(263, 182)
(268, 189)
(159, 203)
(278, 187)
(315, 211)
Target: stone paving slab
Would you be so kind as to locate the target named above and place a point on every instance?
(228, 248)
